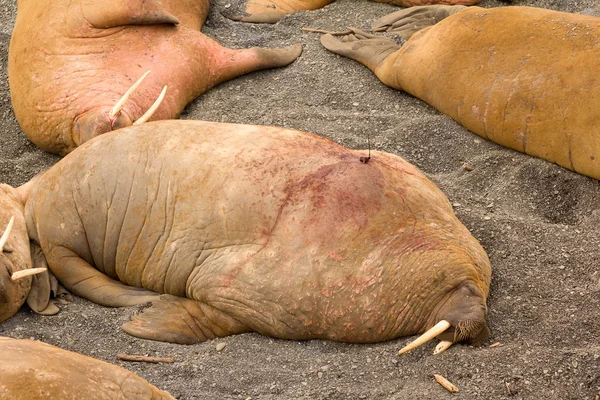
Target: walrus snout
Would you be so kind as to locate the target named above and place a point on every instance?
(96, 122)
(12, 293)
(466, 311)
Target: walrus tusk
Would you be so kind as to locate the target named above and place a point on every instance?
(26, 272)
(427, 336)
(4, 237)
(119, 106)
(442, 347)
(153, 108)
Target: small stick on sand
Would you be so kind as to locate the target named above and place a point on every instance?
(148, 359)
(445, 383)
(508, 388)
(497, 344)
(323, 31)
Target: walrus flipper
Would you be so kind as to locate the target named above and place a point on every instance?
(43, 286)
(406, 22)
(179, 320)
(270, 11)
(83, 280)
(369, 50)
(108, 14)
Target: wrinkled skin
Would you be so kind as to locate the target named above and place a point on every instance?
(69, 63)
(34, 370)
(271, 11)
(15, 255)
(523, 77)
(249, 228)
(18, 255)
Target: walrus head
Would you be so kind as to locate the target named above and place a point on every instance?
(101, 120)
(15, 258)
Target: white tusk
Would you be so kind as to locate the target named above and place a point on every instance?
(119, 106)
(4, 237)
(26, 272)
(440, 327)
(442, 347)
(153, 108)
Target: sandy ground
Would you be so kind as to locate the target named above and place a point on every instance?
(539, 223)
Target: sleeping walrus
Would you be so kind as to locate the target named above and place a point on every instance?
(32, 370)
(251, 228)
(526, 78)
(70, 61)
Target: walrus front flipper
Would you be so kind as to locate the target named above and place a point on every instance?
(83, 280)
(271, 11)
(108, 14)
(369, 50)
(407, 22)
(179, 320)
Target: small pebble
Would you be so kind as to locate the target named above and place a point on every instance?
(221, 346)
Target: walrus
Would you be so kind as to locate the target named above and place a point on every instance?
(271, 11)
(34, 370)
(257, 229)
(522, 77)
(71, 61)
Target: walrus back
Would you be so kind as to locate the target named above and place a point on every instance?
(522, 77)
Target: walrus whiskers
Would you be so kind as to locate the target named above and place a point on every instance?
(4, 237)
(26, 272)
(148, 114)
(440, 327)
(442, 346)
(119, 106)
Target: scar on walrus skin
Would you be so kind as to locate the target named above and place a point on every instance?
(237, 228)
(522, 90)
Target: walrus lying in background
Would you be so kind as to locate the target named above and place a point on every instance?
(525, 78)
(34, 370)
(271, 11)
(251, 228)
(70, 61)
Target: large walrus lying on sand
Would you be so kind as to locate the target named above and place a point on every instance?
(271, 11)
(33, 370)
(70, 61)
(526, 78)
(250, 228)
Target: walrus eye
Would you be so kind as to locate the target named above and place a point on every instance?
(7, 249)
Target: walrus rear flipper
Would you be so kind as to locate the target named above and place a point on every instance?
(369, 50)
(270, 11)
(108, 14)
(179, 320)
(406, 22)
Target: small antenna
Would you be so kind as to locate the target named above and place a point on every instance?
(364, 159)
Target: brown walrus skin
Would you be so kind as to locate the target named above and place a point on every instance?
(34, 370)
(252, 228)
(271, 11)
(70, 61)
(526, 78)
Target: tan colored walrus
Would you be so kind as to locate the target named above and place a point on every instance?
(70, 61)
(526, 78)
(256, 229)
(271, 11)
(32, 370)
